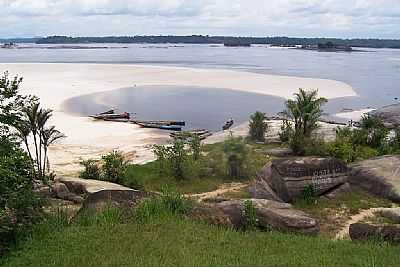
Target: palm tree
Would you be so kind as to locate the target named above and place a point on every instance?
(258, 126)
(305, 110)
(48, 137)
(23, 132)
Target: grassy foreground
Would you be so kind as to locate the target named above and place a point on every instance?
(173, 241)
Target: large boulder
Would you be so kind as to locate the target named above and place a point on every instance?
(118, 198)
(363, 231)
(390, 115)
(271, 214)
(61, 191)
(380, 176)
(286, 179)
(392, 213)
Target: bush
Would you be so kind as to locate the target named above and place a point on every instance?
(250, 214)
(258, 127)
(114, 167)
(170, 202)
(19, 206)
(286, 131)
(91, 170)
(343, 151)
(236, 154)
(309, 194)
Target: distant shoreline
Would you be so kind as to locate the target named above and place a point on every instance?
(206, 39)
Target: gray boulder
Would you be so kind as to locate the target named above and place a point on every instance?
(380, 176)
(61, 191)
(392, 214)
(390, 115)
(364, 232)
(286, 179)
(271, 214)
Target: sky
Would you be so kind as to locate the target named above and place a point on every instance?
(297, 18)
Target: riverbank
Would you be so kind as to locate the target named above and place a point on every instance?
(55, 83)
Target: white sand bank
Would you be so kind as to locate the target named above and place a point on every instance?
(54, 83)
(353, 115)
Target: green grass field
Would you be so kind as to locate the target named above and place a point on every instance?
(174, 242)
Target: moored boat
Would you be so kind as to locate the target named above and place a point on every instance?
(178, 123)
(160, 126)
(109, 116)
(227, 125)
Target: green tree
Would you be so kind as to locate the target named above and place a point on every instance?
(114, 167)
(258, 127)
(236, 153)
(304, 110)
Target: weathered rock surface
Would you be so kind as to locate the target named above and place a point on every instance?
(390, 115)
(287, 178)
(392, 214)
(345, 188)
(61, 191)
(363, 231)
(87, 186)
(211, 215)
(120, 198)
(271, 214)
(380, 176)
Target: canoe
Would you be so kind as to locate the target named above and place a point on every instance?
(227, 125)
(124, 115)
(111, 111)
(200, 133)
(160, 126)
(179, 123)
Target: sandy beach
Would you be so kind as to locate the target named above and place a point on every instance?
(55, 83)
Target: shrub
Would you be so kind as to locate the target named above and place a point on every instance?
(170, 202)
(258, 127)
(114, 167)
(286, 131)
(309, 194)
(250, 215)
(19, 206)
(343, 151)
(236, 153)
(91, 170)
(365, 152)
(195, 146)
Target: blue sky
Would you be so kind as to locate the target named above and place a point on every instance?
(308, 18)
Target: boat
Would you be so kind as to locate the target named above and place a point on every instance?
(178, 123)
(227, 125)
(160, 126)
(111, 111)
(111, 116)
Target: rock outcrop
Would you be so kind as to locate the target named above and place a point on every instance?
(380, 176)
(286, 179)
(364, 232)
(61, 191)
(392, 214)
(390, 115)
(271, 214)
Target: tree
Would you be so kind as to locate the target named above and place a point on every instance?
(236, 153)
(305, 111)
(258, 127)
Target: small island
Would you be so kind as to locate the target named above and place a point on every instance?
(329, 47)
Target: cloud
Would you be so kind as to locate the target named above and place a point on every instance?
(358, 18)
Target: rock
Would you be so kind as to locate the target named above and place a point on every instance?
(390, 115)
(271, 214)
(120, 198)
(288, 178)
(211, 215)
(363, 231)
(279, 152)
(87, 186)
(44, 191)
(261, 189)
(380, 176)
(345, 188)
(392, 214)
(61, 191)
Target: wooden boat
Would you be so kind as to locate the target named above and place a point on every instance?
(124, 115)
(227, 125)
(178, 123)
(111, 111)
(160, 126)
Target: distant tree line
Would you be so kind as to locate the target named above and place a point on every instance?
(205, 39)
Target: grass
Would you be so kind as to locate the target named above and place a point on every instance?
(332, 213)
(174, 241)
(147, 176)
